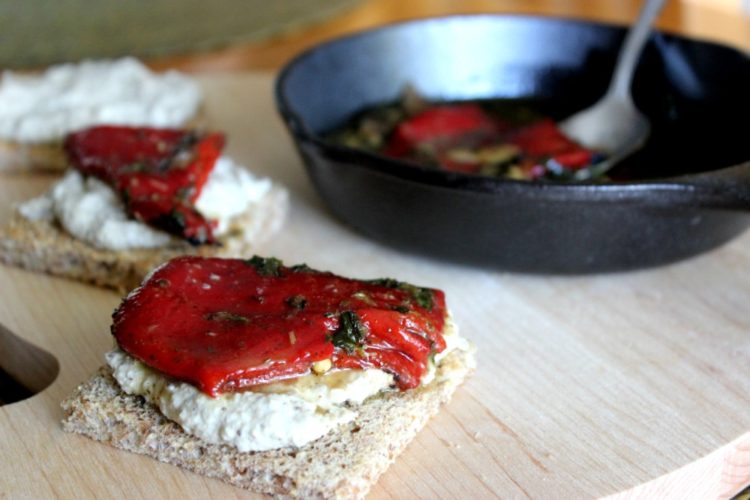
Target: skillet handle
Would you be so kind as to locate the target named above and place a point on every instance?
(728, 188)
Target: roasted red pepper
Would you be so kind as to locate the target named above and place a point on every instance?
(443, 131)
(225, 325)
(440, 127)
(159, 173)
(543, 139)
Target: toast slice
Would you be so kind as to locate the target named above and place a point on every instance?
(43, 246)
(21, 156)
(344, 463)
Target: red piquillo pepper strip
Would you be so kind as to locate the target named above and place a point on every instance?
(225, 325)
(159, 173)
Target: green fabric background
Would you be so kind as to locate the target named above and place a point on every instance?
(39, 32)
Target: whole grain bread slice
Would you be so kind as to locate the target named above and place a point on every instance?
(344, 463)
(21, 156)
(43, 246)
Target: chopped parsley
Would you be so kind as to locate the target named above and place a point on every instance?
(351, 333)
(387, 282)
(178, 218)
(302, 268)
(266, 266)
(423, 297)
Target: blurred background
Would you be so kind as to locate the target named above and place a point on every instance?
(227, 35)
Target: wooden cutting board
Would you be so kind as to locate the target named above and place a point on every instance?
(586, 385)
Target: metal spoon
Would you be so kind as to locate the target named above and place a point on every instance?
(613, 125)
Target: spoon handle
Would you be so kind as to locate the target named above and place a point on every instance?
(631, 48)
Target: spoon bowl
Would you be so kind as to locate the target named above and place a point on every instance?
(614, 125)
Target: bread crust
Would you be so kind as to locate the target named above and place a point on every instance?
(344, 463)
(21, 156)
(44, 246)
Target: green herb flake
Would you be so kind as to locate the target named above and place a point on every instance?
(297, 302)
(423, 297)
(351, 333)
(401, 308)
(179, 218)
(226, 316)
(302, 268)
(269, 266)
(386, 282)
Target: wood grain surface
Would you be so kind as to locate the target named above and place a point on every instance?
(586, 386)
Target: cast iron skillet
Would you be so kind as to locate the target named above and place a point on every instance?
(693, 187)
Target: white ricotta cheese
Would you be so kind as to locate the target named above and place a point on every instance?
(290, 413)
(67, 97)
(39, 208)
(250, 421)
(91, 211)
(229, 191)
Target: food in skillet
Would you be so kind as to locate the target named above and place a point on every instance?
(498, 138)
